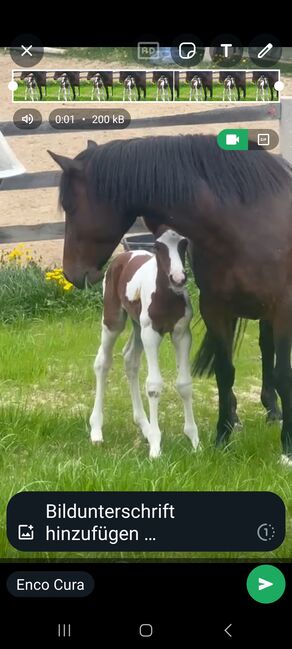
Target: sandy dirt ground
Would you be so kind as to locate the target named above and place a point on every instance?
(40, 206)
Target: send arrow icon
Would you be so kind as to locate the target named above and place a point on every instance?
(264, 583)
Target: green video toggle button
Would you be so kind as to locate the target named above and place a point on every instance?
(235, 139)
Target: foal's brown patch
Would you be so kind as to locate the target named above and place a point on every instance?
(120, 272)
(133, 307)
(166, 309)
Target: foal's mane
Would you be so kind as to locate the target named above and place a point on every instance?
(171, 170)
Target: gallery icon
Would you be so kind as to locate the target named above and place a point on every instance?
(25, 532)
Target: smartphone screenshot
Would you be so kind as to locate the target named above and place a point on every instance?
(145, 333)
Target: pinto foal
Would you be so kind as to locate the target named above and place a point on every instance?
(150, 289)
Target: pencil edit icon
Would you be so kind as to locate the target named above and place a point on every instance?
(265, 51)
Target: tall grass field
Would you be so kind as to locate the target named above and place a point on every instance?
(49, 335)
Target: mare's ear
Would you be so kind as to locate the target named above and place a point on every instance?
(91, 144)
(152, 224)
(67, 164)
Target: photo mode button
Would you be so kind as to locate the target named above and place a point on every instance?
(50, 584)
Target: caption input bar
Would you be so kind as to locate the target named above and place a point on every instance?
(141, 521)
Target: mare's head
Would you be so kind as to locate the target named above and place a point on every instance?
(93, 228)
(170, 249)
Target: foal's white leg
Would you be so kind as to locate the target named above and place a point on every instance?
(102, 365)
(151, 341)
(132, 356)
(182, 343)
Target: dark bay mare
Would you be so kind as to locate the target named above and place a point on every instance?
(236, 209)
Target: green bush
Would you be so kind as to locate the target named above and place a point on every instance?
(25, 293)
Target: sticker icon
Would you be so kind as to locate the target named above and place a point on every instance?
(187, 50)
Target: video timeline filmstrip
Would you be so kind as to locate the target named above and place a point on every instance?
(145, 86)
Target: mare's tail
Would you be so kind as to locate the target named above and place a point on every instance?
(204, 361)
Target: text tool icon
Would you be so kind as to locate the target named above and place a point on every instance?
(226, 47)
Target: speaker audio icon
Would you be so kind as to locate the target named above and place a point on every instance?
(28, 118)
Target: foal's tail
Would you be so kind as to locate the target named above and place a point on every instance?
(204, 361)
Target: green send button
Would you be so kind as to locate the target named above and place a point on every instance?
(233, 139)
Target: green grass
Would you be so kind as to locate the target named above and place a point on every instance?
(218, 93)
(47, 392)
(120, 55)
(85, 92)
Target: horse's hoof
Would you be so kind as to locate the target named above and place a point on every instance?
(96, 438)
(273, 417)
(221, 445)
(154, 454)
(286, 460)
